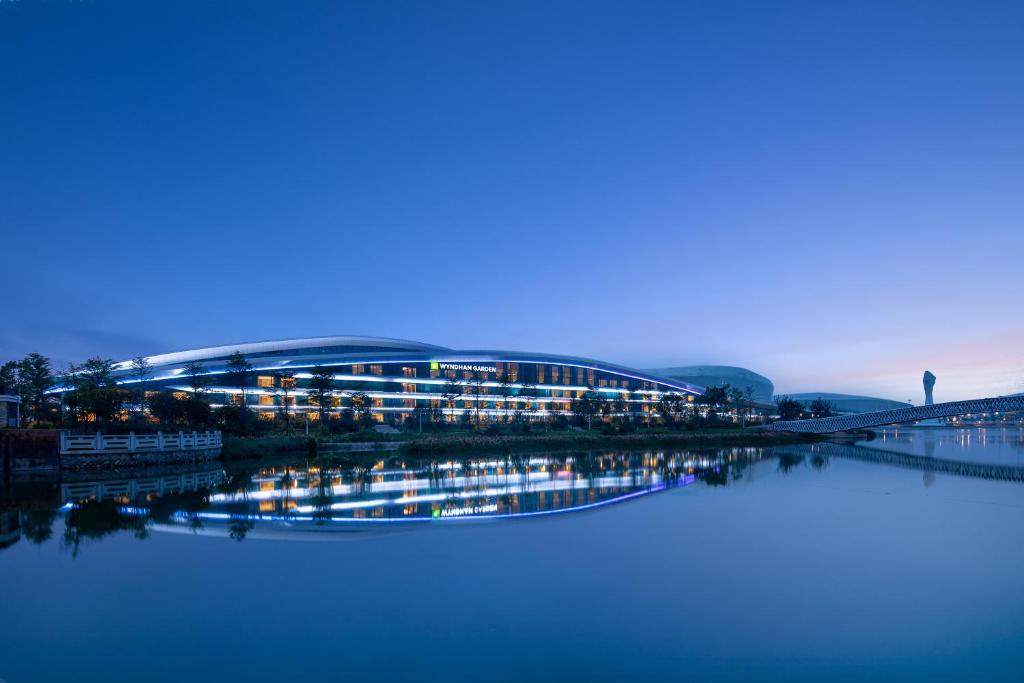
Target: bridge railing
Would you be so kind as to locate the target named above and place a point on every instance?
(96, 444)
(842, 423)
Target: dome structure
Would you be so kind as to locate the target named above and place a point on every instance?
(717, 375)
(850, 403)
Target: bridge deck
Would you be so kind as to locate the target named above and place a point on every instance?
(843, 423)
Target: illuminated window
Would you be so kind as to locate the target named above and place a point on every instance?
(288, 382)
(180, 395)
(565, 376)
(358, 369)
(409, 388)
(408, 372)
(266, 400)
(554, 375)
(376, 369)
(540, 374)
(579, 375)
(265, 381)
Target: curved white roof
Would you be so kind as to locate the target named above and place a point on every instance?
(248, 348)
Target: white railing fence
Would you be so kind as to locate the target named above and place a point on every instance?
(89, 444)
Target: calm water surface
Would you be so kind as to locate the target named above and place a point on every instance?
(898, 559)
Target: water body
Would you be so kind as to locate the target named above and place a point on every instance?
(878, 561)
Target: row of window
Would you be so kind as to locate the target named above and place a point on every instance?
(533, 373)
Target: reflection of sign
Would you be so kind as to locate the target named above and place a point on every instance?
(468, 510)
(463, 366)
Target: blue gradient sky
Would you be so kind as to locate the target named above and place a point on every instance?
(828, 193)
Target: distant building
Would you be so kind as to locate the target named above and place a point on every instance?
(717, 375)
(847, 403)
(929, 384)
(9, 411)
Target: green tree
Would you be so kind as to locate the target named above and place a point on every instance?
(505, 384)
(166, 409)
(819, 407)
(239, 374)
(198, 380)
(362, 404)
(477, 390)
(736, 398)
(141, 370)
(95, 391)
(585, 406)
(451, 391)
(788, 408)
(321, 388)
(285, 381)
(35, 378)
(9, 378)
(671, 407)
(528, 394)
(715, 396)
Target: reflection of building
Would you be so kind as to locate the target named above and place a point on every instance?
(9, 413)
(717, 375)
(470, 489)
(847, 403)
(399, 377)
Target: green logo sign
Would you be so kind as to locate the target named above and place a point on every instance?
(434, 365)
(435, 513)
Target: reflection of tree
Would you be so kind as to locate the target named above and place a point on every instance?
(240, 527)
(163, 508)
(37, 525)
(94, 520)
(787, 461)
(717, 476)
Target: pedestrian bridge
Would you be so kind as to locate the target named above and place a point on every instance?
(843, 423)
(959, 468)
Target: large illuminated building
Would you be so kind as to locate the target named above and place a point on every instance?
(398, 378)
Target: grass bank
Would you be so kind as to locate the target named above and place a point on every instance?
(261, 447)
(437, 444)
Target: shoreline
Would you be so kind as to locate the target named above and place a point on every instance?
(440, 444)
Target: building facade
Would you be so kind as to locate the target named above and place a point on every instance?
(10, 411)
(392, 379)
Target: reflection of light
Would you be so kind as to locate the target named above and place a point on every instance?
(355, 505)
(397, 520)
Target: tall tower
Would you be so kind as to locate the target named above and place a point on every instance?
(929, 383)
